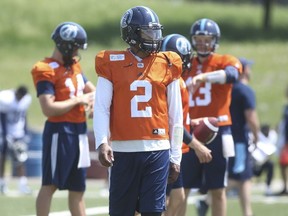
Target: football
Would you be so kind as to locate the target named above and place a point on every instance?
(206, 130)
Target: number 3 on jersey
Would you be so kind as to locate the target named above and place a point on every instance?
(203, 98)
(135, 112)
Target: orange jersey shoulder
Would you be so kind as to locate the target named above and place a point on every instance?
(139, 92)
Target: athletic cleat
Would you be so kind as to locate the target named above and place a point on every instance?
(201, 207)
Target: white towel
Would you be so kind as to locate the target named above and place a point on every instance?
(228, 145)
(84, 156)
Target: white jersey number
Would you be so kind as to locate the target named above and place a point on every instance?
(80, 86)
(205, 96)
(135, 112)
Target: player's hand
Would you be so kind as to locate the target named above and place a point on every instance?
(87, 99)
(202, 152)
(89, 109)
(174, 171)
(106, 156)
(194, 122)
(195, 82)
(199, 78)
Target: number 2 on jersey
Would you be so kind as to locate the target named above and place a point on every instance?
(135, 112)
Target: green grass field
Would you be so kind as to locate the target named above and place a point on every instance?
(97, 201)
(25, 38)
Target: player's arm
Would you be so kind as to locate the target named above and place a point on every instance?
(51, 107)
(250, 113)
(101, 120)
(253, 123)
(89, 88)
(175, 114)
(228, 75)
(202, 152)
(175, 121)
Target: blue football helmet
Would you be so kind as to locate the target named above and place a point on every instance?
(140, 27)
(69, 36)
(181, 45)
(210, 29)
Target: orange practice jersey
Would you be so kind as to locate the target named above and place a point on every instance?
(139, 108)
(212, 99)
(185, 106)
(67, 84)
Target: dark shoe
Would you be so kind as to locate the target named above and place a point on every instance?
(202, 207)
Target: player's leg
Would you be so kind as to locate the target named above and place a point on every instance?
(154, 182)
(216, 174)
(3, 186)
(125, 179)
(74, 178)
(191, 170)
(269, 166)
(245, 197)
(183, 209)
(76, 203)
(43, 201)
(176, 197)
(44, 197)
(219, 203)
(3, 153)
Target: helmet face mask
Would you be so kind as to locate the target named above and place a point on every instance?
(205, 35)
(140, 27)
(181, 45)
(68, 38)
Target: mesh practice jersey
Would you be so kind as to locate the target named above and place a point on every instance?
(66, 83)
(139, 92)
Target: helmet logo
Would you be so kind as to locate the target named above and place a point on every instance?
(68, 32)
(182, 46)
(126, 18)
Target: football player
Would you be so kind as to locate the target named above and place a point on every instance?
(210, 83)
(245, 120)
(14, 104)
(64, 93)
(175, 191)
(138, 109)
